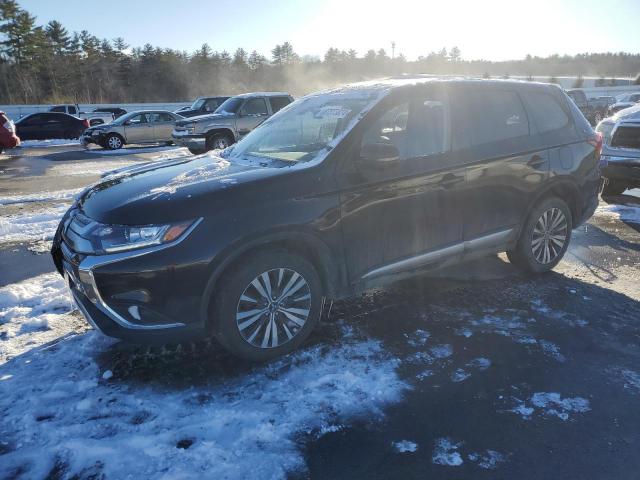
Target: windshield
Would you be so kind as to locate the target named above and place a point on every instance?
(230, 105)
(300, 131)
(197, 104)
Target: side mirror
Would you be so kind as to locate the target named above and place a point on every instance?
(379, 152)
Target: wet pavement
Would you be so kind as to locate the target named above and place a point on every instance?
(505, 375)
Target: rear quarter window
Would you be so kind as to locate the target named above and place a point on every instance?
(278, 103)
(547, 114)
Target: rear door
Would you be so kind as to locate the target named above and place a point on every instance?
(30, 128)
(55, 126)
(506, 162)
(162, 126)
(252, 113)
(401, 214)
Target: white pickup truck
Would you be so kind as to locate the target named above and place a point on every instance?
(95, 118)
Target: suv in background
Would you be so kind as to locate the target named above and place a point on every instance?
(621, 151)
(96, 117)
(341, 191)
(236, 117)
(623, 102)
(593, 110)
(202, 106)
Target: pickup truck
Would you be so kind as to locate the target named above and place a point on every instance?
(593, 110)
(95, 118)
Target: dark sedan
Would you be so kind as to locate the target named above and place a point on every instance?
(50, 125)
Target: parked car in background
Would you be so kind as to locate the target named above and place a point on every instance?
(95, 118)
(341, 191)
(49, 126)
(236, 117)
(621, 151)
(202, 106)
(593, 110)
(625, 101)
(8, 138)
(145, 126)
(115, 111)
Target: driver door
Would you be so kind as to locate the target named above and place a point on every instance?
(252, 113)
(402, 213)
(139, 129)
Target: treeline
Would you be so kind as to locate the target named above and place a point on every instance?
(48, 64)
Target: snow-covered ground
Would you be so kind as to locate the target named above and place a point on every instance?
(58, 142)
(35, 225)
(170, 152)
(626, 212)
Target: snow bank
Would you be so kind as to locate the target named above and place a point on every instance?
(60, 412)
(57, 142)
(56, 195)
(626, 213)
(36, 225)
(172, 151)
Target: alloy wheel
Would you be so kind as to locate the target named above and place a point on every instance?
(549, 236)
(220, 143)
(273, 308)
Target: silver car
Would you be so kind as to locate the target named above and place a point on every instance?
(144, 126)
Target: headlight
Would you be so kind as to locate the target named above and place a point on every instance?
(118, 238)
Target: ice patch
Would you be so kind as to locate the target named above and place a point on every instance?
(442, 351)
(446, 453)
(480, 363)
(405, 446)
(418, 338)
(460, 375)
(247, 426)
(36, 225)
(550, 404)
(552, 350)
(424, 374)
(489, 459)
(631, 380)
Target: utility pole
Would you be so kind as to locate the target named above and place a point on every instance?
(393, 50)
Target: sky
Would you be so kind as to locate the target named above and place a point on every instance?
(483, 29)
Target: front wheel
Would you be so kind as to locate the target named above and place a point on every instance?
(544, 238)
(114, 142)
(218, 141)
(267, 306)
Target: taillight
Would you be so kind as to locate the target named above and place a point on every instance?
(596, 141)
(86, 123)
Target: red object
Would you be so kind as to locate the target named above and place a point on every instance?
(86, 123)
(8, 138)
(596, 141)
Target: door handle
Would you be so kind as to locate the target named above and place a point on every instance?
(449, 180)
(536, 161)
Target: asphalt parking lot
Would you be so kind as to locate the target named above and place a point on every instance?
(469, 373)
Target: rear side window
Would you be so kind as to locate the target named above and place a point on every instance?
(545, 111)
(73, 110)
(497, 115)
(58, 109)
(255, 106)
(626, 137)
(278, 103)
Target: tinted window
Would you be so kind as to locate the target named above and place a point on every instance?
(497, 115)
(626, 137)
(545, 111)
(161, 117)
(278, 103)
(73, 110)
(417, 128)
(255, 106)
(58, 109)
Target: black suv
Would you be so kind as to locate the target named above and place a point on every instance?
(340, 191)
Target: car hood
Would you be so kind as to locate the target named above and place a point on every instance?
(167, 191)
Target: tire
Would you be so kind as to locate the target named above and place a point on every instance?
(218, 141)
(195, 151)
(244, 293)
(1, 150)
(536, 251)
(114, 142)
(169, 143)
(613, 187)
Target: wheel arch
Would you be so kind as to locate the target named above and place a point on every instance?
(563, 188)
(221, 130)
(303, 243)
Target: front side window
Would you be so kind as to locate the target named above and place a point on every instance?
(73, 110)
(58, 109)
(211, 105)
(416, 128)
(255, 106)
(278, 103)
(160, 117)
(305, 130)
(139, 119)
(497, 115)
(229, 106)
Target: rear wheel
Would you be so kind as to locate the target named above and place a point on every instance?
(218, 141)
(544, 238)
(114, 142)
(613, 187)
(267, 306)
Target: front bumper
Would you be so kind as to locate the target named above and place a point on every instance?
(624, 169)
(133, 295)
(191, 141)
